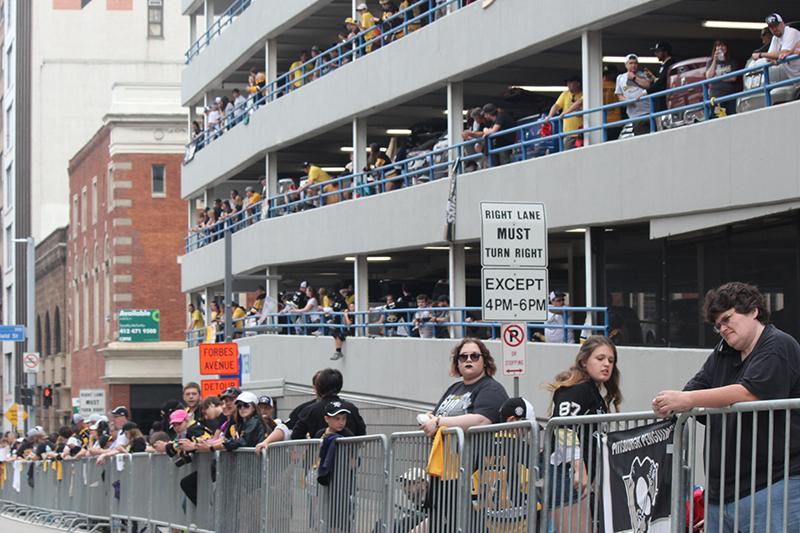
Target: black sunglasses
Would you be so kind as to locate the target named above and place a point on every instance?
(474, 356)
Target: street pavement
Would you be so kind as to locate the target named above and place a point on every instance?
(7, 525)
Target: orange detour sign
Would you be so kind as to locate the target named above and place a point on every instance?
(215, 387)
(221, 359)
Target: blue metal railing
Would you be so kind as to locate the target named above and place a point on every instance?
(420, 13)
(530, 143)
(427, 322)
(216, 28)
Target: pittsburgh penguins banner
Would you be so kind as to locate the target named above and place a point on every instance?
(637, 481)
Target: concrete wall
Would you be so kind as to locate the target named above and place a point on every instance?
(241, 40)
(693, 170)
(389, 370)
(442, 52)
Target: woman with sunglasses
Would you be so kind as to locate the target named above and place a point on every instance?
(248, 427)
(588, 387)
(476, 399)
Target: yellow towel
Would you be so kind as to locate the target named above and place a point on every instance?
(445, 468)
(59, 470)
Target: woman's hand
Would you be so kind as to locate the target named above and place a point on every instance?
(431, 426)
(580, 481)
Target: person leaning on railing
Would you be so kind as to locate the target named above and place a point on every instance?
(754, 360)
(785, 40)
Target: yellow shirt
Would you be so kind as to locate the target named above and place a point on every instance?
(237, 316)
(296, 75)
(317, 175)
(612, 115)
(197, 319)
(565, 100)
(253, 199)
(368, 21)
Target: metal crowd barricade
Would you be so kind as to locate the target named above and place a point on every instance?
(503, 462)
(165, 491)
(415, 497)
(292, 491)
(201, 516)
(566, 440)
(750, 433)
(239, 492)
(355, 499)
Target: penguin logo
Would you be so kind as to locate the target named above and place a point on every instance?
(641, 488)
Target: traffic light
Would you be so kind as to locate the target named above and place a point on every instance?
(47, 397)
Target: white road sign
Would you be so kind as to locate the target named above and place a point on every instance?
(514, 336)
(92, 401)
(514, 294)
(31, 362)
(513, 234)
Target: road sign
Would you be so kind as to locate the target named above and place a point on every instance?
(12, 333)
(513, 335)
(139, 325)
(219, 359)
(11, 414)
(31, 362)
(92, 401)
(514, 294)
(215, 387)
(513, 235)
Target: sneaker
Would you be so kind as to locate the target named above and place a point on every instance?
(336, 356)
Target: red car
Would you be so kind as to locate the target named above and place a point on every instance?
(684, 73)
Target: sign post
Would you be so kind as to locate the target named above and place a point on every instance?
(514, 277)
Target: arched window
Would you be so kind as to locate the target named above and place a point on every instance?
(57, 327)
(107, 291)
(38, 334)
(47, 337)
(96, 294)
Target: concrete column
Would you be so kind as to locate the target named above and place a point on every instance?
(208, 13)
(271, 172)
(455, 116)
(192, 29)
(592, 75)
(359, 144)
(457, 281)
(589, 280)
(271, 60)
(361, 286)
(208, 295)
(271, 283)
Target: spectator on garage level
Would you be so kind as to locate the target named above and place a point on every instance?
(766, 40)
(614, 114)
(367, 22)
(227, 213)
(324, 298)
(352, 30)
(195, 319)
(785, 40)
(226, 107)
(256, 85)
(237, 318)
(252, 201)
(333, 61)
(474, 131)
(191, 399)
(317, 64)
(632, 87)
(719, 65)
(556, 318)
(214, 118)
(410, 15)
(197, 135)
(441, 317)
(317, 180)
(298, 70)
(388, 24)
(499, 120)
(258, 304)
(662, 51)
(569, 101)
(239, 104)
(341, 322)
(390, 318)
(328, 384)
(422, 326)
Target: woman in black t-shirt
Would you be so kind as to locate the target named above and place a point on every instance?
(589, 387)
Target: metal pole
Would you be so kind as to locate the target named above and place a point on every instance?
(228, 287)
(30, 267)
(516, 387)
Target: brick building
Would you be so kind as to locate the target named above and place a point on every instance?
(51, 333)
(126, 231)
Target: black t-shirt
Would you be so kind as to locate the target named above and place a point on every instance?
(343, 433)
(311, 419)
(294, 416)
(770, 372)
(212, 426)
(138, 445)
(577, 400)
(300, 299)
(506, 121)
(484, 397)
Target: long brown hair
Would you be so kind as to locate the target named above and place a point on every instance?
(489, 367)
(577, 372)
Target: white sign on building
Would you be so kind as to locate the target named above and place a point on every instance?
(514, 294)
(513, 235)
(92, 401)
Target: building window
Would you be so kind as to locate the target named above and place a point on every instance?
(48, 345)
(96, 301)
(11, 68)
(94, 200)
(155, 19)
(110, 190)
(9, 125)
(75, 221)
(107, 292)
(159, 180)
(84, 220)
(57, 327)
(9, 248)
(9, 200)
(85, 313)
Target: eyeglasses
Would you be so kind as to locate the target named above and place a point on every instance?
(239, 406)
(723, 322)
(474, 356)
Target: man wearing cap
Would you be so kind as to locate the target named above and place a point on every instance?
(555, 317)
(251, 200)
(265, 409)
(632, 87)
(785, 41)
(569, 101)
(119, 417)
(663, 51)
(80, 436)
(367, 20)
